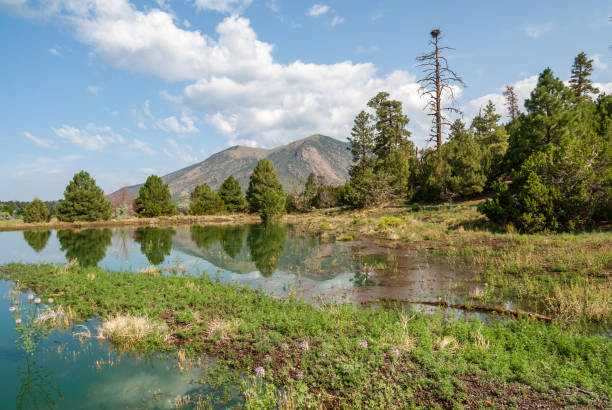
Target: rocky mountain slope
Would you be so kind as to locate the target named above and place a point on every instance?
(293, 162)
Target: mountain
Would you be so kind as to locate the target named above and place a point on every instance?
(293, 162)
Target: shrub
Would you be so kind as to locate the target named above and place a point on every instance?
(36, 211)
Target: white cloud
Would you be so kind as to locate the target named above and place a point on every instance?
(141, 114)
(337, 20)
(604, 87)
(183, 153)
(41, 142)
(91, 138)
(93, 89)
(147, 171)
(142, 146)
(183, 126)
(598, 63)
(223, 6)
(522, 88)
(55, 52)
(535, 31)
(318, 10)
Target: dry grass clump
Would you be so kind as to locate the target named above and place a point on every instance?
(222, 329)
(407, 341)
(590, 300)
(149, 270)
(57, 318)
(64, 269)
(447, 343)
(129, 330)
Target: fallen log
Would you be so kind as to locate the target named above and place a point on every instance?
(479, 308)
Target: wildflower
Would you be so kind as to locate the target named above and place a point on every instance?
(260, 371)
(18, 321)
(304, 345)
(363, 343)
(50, 300)
(30, 296)
(37, 300)
(395, 351)
(12, 309)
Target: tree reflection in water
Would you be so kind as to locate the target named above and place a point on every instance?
(87, 246)
(205, 236)
(266, 243)
(155, 243)
(37, 239)
(232, 239)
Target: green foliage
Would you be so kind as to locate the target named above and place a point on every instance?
(384, 157)
(155, 243)
(87, 246)
(37, 239)
(465, 158)
(265, 194)
(5, 216)
(232, 238)
(123, 211)
(154, 199)
(205, 201)
(205, 236)
(231, 194)
(560, 157)
(493, 139)
(35, 212)
(579, 81)
(83, 201)
(267, 243)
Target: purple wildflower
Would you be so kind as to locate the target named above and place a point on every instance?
(304, 345)
(30, 296)
(37, 300)
(395, 351)
(363, 343)
(18, 320)
(260, 371)
(50, 300)
(12, 309)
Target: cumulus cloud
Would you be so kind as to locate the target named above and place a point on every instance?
(142, 146)
(233, 78)
(55, 52)
(185, 125)
(222, 6)
(91, 138)
(536, 30)
(182, 152)
(41, 142)
(598, 63)
(336, 20)
(522, 88)
(318, 10)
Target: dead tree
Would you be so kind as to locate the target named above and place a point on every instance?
(437, 84)
(511, 102)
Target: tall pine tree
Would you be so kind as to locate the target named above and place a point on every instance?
(579, 81)
(154, 199)
(83, 201)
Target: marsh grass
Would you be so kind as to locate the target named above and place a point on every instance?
(246, 330)
(566, 276)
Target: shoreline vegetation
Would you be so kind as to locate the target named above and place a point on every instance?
(292, 354)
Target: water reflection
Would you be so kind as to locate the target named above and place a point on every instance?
(232, 238)
(155, 243)
(266, 243)
(87, 246)
(205, 236)
(37, 239)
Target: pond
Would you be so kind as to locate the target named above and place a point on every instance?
(65, 372)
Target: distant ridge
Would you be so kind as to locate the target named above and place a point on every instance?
(293, 162)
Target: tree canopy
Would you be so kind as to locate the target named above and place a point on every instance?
(265, 195)
(154, 199)
(83, 201)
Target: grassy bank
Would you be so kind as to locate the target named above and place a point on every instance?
(19, 225)
(337, 355)
(567, 276)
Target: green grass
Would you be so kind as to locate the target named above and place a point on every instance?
(439, 363)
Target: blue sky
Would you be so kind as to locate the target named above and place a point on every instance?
(126, 88)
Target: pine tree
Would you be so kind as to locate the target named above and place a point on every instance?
(83, 201)
(361, 142)
(438, 84)
(493, 139)
(511, 102)
(579, 81)
(205, 201)
(231, 194)
(464, 156)
(265, 194)
(390, 125)
(154, 199)
(36, 211)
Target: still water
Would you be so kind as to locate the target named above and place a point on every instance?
(57, 370)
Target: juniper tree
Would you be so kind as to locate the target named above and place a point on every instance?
(36, 211)
(231, 194)
(511, 102)
(154, 199)
(438, 84)
(265, 195)
(493, 139)
(83, 201)
(579, 81)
